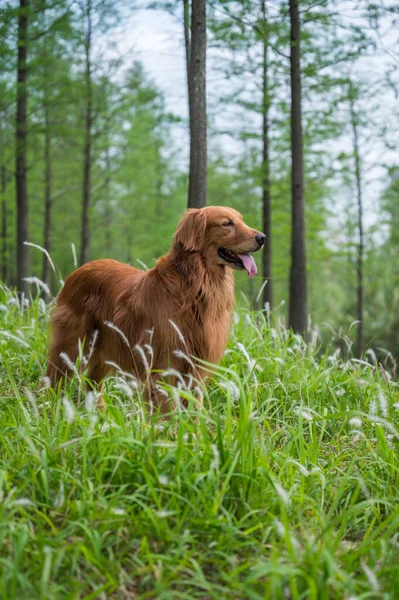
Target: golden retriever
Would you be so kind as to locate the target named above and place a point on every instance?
(146, 323)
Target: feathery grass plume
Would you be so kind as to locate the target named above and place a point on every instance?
(183, 356)
(304, 413)
(284, 495)
(280, 529)
(370, 352)
(215, 463)
(149, 350)
(262, 287)
(179, 333)
(251, 361)
(189, 380)
(71, 365)
(39, 284)
(90, 401)
(383, 404)
(13, 301)
(142, 356)
(42, 306)
(92, 346)
(142, 264)
(59, 500)
(372, 578)
(46, 382)
(118, 511)
(358, 361)
(75, 259)
(10, 336)
(176, 396)
(334, 358)
(355, 422)
(123, 387)
(118, 331)
(232, 389)
(23, 502)
(44, 252)
(161, 391)
(163, 514)
(69, 409)
(123, 374)
(151, 334)
(174, 373)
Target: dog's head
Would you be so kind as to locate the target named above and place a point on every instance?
(221, 235)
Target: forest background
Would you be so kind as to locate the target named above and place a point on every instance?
(94, 92)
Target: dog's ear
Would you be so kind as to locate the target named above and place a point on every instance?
(191, 229)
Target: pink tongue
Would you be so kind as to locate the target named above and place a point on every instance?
(249, 264)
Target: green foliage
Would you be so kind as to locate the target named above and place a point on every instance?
(285, 483)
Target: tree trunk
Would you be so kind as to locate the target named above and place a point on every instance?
(108, 210)
(186, 16)
(84, 247)
(298, 310)
(197, 105)
(21, 150)
(47, 195)
(4, 273)
(266, 199)
(360, 248)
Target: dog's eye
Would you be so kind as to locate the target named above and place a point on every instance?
(228, 224)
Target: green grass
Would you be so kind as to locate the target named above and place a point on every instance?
(285, 484)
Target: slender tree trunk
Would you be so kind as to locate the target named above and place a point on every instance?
(129, 243)
(158, 180)
(4, 257)
(108, 211)
(21, 149)
(84, 247)
(266, 199)
(197, 104)
(186, 15)
(47, 194)
(298, 309)
(360, 247)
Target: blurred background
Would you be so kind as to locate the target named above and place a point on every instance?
(93, 95)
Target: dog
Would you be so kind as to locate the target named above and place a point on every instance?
(150, 322)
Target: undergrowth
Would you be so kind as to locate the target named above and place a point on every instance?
(283, 485)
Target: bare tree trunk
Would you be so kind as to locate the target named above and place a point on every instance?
(21, 149)
(4, 257)
(47, 194)
(298, 309)
(197, 104)
(186, 15)
(360, 248)
(108, 211)
(266, 199)
(84, 247)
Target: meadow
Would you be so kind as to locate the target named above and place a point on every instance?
(283, 485)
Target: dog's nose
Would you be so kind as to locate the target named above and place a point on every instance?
(260, 238)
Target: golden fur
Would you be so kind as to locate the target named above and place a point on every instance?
(189, 293)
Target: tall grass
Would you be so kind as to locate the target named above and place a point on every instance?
(284, 485)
